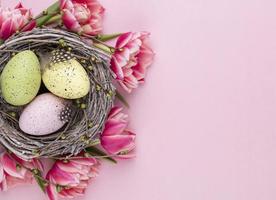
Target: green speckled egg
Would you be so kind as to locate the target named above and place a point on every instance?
(65, 77)
(21, 78)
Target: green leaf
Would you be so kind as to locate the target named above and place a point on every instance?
(94, 151)
(39, 179)
(122, 98)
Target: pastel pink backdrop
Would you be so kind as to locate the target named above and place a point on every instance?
(205, 119)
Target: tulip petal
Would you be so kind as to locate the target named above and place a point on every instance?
(62, 178)
(13, 181)
(71, 193)
(70, 21)
(114, 111)
(52, 192)
(7, 29)
(115, 66)
(69, 167)
(123, 40)
(125, 87)
(30, 26)
(123, 57)
(85, 161)
(117, 143)
(2, 176)
(11, 168)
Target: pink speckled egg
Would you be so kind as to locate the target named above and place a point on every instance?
(46, 114)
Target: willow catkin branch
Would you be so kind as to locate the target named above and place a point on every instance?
(86, 124)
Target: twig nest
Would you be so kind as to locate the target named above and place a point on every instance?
(73, 70)
(20, 79)
(46, 114)
(64, 76)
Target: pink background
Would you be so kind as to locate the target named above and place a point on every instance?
(205, 119)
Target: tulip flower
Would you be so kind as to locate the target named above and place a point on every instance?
(131, 59)
(13, 20)
(15, 171)
(82, 16)
(116, 139)
(70, 178)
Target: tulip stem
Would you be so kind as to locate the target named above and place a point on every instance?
(54, 19)
(100, 44)
(103, 47)
(45, 16)
(94, 152)
(49, 13)
(95, 142)
(107, 37)
(121, 98)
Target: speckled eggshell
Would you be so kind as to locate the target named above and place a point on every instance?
(21, 78)
(68, 79)
(42, 115)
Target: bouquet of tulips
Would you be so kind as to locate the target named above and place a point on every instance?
(131, 57)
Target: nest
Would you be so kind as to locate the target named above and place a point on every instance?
(85, 124)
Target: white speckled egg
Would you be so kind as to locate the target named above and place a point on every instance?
(65, 76)
(46, 114)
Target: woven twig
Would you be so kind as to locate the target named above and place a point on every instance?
(86, 123)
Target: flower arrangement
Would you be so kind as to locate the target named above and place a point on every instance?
(58, 97)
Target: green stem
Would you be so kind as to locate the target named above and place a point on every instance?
(95, 152)
(54, 19)
(49, 13)
(103, 47)
(107, 37)
(95, 142)
(100, 44)
(121, 98)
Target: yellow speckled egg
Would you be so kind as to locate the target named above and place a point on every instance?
(65, 76)
(21, 78)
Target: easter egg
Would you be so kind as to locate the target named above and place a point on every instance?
(46, 114)
(65, 77)
(20, 79)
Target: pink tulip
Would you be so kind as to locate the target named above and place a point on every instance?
(70, 178)
(14, 171)
(116, 139)
(132, 59)
(82, 16)
(13, 20)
